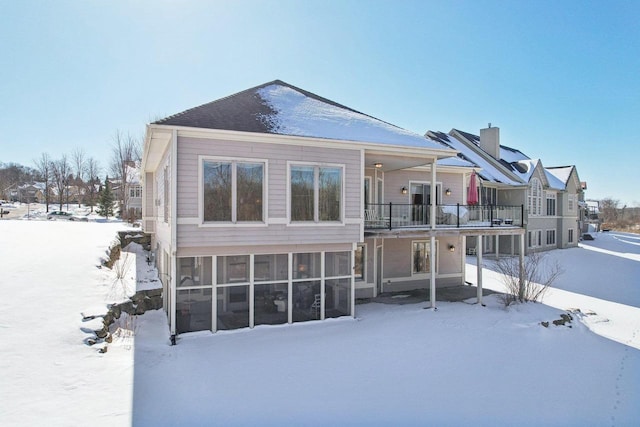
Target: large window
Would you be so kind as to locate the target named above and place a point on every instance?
(233, 191)
(421, 257)
(535, 197)
(551, 203)
(316, 193)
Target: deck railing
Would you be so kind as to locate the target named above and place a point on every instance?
(398, 215)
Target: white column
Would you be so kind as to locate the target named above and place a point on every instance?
(432, 269)
(522, 236)
(497, 246)
(353, 277)
(322, 286)
(214, 294)
(290, 288)
(252, 300)
(479, 265)
(463, 258)
(433, 192)
(174, 292)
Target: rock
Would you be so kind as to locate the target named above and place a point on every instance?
(154, 292)
(127, 307)
(102, 333)
(116, 311)
(103, 349)
(545, 324)
(156, 303)
(109, 338)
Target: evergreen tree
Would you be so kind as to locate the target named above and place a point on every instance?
(105, 200)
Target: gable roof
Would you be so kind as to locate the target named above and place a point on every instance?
(280, 108)
(509, 157)
(488, 171)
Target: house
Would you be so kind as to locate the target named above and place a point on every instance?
(133, 200)
(552, 196)
(26, 193)
(275, 205)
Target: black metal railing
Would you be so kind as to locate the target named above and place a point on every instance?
(399, 215)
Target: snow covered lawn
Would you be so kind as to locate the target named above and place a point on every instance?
(394, 365)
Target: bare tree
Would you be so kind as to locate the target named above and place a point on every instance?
(124, 160)
(92, 171)
(44, 167)
(79, 160)
(60, 172)
(536, 278)
(609, 209)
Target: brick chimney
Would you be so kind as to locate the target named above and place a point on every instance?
(490, 141)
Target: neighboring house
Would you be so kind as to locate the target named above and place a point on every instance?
(26, 193)
(553, 196)
(133, 202)
(275, 206)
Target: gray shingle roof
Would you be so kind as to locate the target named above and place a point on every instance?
(280, 108)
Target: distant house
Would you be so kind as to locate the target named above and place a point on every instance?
(275, 206)
(26, 193)
(133, 201)
(553, 196)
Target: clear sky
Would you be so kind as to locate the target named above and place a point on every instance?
(560, 78)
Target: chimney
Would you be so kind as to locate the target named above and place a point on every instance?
(490, 141)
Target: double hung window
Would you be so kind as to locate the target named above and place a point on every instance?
(233, 191)
(315, 193)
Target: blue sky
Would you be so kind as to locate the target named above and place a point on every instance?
(560, 78)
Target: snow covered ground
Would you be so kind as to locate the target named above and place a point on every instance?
(463, 364)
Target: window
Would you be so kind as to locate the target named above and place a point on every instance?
(551, 203)
(488, 196)
(421, 257)
(359, 263)
(233, 191)
(135, 191)
(534, 238)
(551, 237)
(570, 235)
(316, 193)
(535, 197)
(165, 192)
(571, 201)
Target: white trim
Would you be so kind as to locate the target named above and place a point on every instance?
(234, 161)
(231, 135)
(316, 194)
(436, 260)
(438, 189)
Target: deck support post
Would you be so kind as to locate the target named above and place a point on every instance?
(432, 269)
(479, 267)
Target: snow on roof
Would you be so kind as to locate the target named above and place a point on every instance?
(554, 182)
(455, 161)
(296, 113)
(511, 155)
(489, 172)
(563, 173)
